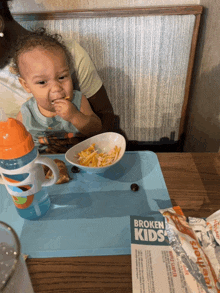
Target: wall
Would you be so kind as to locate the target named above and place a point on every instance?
(54, 5)
(203, 132)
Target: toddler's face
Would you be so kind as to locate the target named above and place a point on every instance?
(46, 75)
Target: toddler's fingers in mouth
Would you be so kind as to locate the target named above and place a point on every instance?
(65, 98)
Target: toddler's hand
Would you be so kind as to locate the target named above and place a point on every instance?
(65, 109)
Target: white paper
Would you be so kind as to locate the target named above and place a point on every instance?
(155, 266)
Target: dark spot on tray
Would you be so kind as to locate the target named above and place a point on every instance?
(134, 187)
(75, 169)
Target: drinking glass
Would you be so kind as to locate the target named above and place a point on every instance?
(14, 276)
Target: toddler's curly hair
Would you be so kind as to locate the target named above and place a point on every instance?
(42, 39)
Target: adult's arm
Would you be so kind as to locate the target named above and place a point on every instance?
(19, 117)
(102, 107)
(90, 84)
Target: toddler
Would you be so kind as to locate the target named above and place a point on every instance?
(56, 113)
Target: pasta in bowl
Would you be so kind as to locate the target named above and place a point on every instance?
(98, 153)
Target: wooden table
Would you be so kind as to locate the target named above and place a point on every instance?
(193, 182)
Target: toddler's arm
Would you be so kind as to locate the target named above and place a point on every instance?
(85, 120)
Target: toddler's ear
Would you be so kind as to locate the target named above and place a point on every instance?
(24, 84)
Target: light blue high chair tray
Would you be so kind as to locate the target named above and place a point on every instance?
(90, 215)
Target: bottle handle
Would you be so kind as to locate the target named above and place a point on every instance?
(52, 165)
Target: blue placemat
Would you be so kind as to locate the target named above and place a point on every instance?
(90, 215)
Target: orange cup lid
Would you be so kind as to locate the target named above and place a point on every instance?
(15, 140)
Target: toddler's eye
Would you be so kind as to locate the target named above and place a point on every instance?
(41, 82)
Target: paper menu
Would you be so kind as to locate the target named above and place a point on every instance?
(155, 266)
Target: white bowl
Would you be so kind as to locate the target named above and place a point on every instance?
(103, 143)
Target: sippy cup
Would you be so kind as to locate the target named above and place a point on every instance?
(22, 171)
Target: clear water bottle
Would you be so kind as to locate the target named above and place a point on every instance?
(22, 171)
